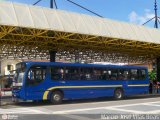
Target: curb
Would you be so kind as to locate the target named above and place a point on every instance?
(6, 103)
(3, 101)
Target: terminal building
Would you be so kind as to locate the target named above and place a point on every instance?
(59, 35)
(8, 67)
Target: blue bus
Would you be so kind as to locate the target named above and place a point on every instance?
(59, 81)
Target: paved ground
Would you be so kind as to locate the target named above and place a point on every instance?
(84, 109)
(5, 98)
(6, 93)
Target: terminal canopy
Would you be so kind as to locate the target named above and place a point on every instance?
(31, 31)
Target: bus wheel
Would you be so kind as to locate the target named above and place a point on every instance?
(118, 94)
(56, 97)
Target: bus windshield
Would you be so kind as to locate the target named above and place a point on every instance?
(19, 75)
(18, 79)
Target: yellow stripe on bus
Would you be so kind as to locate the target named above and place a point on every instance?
(56, 87)
(138, 85)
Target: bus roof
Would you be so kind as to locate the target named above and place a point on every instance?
(82, 65)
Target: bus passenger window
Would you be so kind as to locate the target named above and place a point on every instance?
(99, 74)
(57, 73)
(126, 74)
(36, 75)
(105, 75)
(141, 74)
(134, 74)
(114, 74)
(96, 74)
(86, 73)
(123, 74)
(72, 73)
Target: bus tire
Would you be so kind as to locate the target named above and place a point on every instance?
(56, 97)
(118, 94)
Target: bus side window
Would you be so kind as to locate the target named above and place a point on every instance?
(72, 73)
(96, 74)
(126, 74)
(86, 73)
(36, 75)
(57, 73)
(105, 75)
(123, 74)
(134, 74)
(100, 74)
(141, 74)
(114, 74)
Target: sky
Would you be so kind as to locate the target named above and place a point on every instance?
(133, 11)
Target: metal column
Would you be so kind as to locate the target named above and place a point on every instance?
(158, 69)
(52, 56)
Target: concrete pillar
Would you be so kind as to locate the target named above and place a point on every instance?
(52, 56)
(158, 69)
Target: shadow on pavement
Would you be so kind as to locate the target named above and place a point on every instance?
(104, 99)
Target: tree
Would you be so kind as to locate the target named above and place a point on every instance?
(152, 75)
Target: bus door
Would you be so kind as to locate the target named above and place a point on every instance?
(35, 82)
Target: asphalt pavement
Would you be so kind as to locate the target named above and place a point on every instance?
(91, 109)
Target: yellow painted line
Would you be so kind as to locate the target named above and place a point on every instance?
(56, 87)
(138, 85)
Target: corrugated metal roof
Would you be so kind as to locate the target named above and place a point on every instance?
(15, 14)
